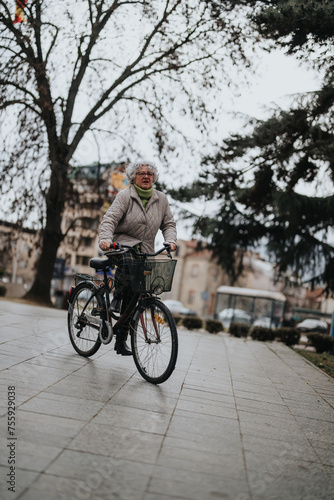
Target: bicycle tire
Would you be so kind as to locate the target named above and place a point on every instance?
(155, 354)
(84, 335)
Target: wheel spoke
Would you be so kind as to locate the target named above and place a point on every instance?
(154, 340)
(83, 321)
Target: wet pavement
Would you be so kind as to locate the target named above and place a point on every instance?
(238, 419)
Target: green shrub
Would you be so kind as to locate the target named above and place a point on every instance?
(239, 329)
(263, 334)
(214, 326)
(192, 322)
(2, 291)
(289, 336)
(321, 341)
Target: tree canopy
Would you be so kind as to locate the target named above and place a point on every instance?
(109, 68)
(274, 184)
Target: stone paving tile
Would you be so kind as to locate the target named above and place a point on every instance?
(118, 486)
(46, 429)
(325, 452)
(280, 462)
(268, 397)
(228, 445)
(7, 361)
(161, 496)
(319, 410)
(269, 449)
(80, 465)
(62, 406)
(204, 394)
(260, 407)
(151, 398)
(320, 430)
(88, 388)
(195, 485)
(281, 430)
(23, 481)
(248, 418)
(227, 463)
(292, 482)
(205, 408)
(222, 390)
(127, 444)
(139, 419)
(35, 457)
(214, 431)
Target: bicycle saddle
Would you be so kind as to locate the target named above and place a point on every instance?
(99, 264)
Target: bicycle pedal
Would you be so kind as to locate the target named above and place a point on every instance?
(96, 311)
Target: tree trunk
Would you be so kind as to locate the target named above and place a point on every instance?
(52, 236)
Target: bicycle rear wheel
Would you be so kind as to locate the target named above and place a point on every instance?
(154, 341)
(83, 319)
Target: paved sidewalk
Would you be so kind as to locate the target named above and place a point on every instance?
(238, 419)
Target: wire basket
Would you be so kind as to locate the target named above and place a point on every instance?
(154, 276)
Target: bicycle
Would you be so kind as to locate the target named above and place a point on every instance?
(154, 339)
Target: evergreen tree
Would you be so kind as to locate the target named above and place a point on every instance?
(262, 180)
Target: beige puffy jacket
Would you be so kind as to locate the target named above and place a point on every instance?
(127, 222)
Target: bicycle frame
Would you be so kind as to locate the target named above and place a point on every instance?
(154, 341)
(102, 295)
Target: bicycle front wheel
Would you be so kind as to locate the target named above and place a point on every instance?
(83, 319)
(154, 341)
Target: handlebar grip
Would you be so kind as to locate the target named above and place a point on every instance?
(167, 247)
(116, 246)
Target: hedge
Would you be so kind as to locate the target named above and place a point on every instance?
(321, 341)
(263, 334)
(214, 326)
(192, 322)
(239, 329)
(289, 336)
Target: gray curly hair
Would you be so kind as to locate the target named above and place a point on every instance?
(132, 169)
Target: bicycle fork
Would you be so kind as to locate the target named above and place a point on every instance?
(155, 319)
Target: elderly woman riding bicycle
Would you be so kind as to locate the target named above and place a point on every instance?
(134, 218)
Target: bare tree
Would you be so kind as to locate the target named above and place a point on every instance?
(77, 67)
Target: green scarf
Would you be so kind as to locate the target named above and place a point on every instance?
(144, 194)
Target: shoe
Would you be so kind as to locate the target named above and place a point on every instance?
(121, 346)
(116, 304)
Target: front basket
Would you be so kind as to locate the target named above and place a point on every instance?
(154, 276)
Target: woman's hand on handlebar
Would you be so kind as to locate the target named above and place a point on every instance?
(172, 247)
(105, 245)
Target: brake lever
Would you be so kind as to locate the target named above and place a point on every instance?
(167, 247)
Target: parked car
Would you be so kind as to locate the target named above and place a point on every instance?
(226, 316)
(263, 321)
(312, 325)
(176, 307)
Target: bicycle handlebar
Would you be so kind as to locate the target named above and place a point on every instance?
(118, 247)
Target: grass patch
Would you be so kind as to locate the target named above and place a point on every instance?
(322, 360)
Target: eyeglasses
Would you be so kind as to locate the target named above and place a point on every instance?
(142, 174)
